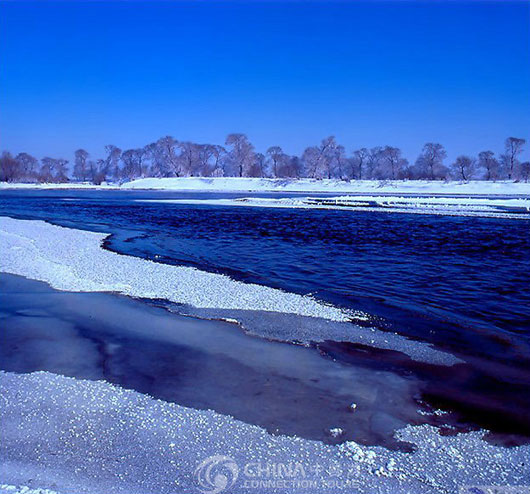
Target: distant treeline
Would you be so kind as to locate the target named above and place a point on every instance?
(169, 157)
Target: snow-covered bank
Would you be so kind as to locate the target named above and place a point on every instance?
(90, 437)
(451, 206)
(62, 186)
(73, 260)
(234, 184)
(245, 184)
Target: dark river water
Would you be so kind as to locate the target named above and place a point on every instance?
(459, 283)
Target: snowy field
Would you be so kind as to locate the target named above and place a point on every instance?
(234, 184)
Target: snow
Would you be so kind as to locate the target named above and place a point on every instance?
(234, 184)
(73, 260)
(67, 185)
(245, 184)
(90, 437)
(510, 208)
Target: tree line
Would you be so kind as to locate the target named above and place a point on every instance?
(168, 157)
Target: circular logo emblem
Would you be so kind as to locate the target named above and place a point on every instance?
(216, 473)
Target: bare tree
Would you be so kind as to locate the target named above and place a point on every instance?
(463, 168)
(54, 170)
(490, 164)
(276, 157)
(394, 163)
(359, 159)
(81, 171)
(9, 168)
(112, 162)
(513, 147)
(218, 160)
(374, 161)
(28, 166)
(241, 156)
(133, 166)
(188, 158)
(430, 162)
(310, 160)
(525, 171)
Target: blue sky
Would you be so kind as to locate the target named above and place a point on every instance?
(86, 74)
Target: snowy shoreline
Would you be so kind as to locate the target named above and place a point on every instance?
(235, 184)
(447, 206)
(74, 260)
(100, 438)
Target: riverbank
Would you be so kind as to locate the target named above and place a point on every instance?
(235, 184)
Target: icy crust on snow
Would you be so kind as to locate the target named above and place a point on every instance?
(73, 260)
(449, 206)
(80, 437)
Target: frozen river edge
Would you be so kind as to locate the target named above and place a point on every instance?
(75, 436)
(101, 438)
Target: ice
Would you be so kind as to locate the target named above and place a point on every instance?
(73, 260)
(80, 437)
(512, 208)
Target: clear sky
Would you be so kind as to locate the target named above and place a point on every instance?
(86, 74)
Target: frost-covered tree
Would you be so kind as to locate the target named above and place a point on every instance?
(525, 171)
(358, 163)
(393, 163)
(27, 167)
(133, 163)
(276, 158)
(54, 170)
(374, 162)
(188, 158)
(112, 162)
(463, 168)
(430, 162)
(490, 165)
(241, 156)
(513, 147)
(163, 157)
(9, 168)
(81, 170)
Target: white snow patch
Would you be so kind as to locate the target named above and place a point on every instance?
(451, 206)
(73, 260)
(92, 437)
(235, 184)
(246, 184)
